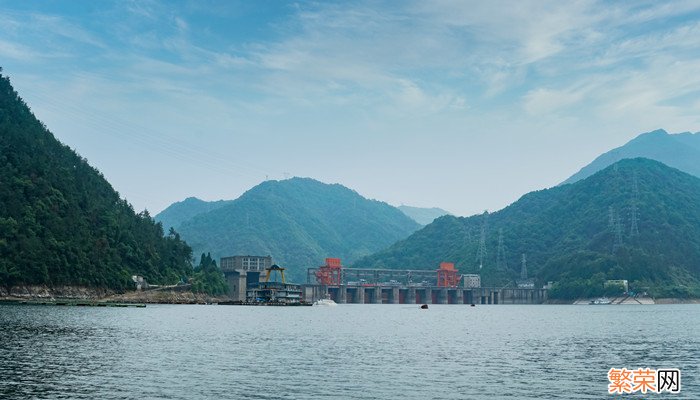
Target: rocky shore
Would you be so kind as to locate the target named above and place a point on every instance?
(45, 293)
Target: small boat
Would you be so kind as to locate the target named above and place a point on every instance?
(600, 301)
(325, 302)
(424, 307)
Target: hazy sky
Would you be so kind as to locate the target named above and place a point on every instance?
(463, 105)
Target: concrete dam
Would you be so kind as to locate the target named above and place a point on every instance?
(381, 286)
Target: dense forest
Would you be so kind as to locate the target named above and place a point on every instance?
(62, 223)
(298, 221)
(637, 220)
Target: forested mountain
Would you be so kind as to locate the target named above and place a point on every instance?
(423, 216)
(182, 211)
(299, 222)
(577, 235)
(681, 151)
(62, 223)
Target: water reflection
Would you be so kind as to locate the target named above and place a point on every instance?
(349, 352)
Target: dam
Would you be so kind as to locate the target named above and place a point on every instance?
(394, 286)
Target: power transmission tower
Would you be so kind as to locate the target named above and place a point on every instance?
(481, 253)
(634, 229)
(618, 235)
(611, 218)
(501, 253)
(523, 268)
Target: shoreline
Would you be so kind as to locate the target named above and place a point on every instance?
(634, 301)
(44, 294)
(40, 294)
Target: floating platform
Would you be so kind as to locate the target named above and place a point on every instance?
(263, 303)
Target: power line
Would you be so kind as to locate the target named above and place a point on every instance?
(156, 141)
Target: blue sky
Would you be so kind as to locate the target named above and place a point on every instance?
(463, 105)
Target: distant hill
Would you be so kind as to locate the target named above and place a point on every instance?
(681, 151)
(62, 223)
(423, 216)
(179, 212)
(577, 235)
(299, 222)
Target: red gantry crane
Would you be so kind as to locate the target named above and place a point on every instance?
(330, 274)
(447, 275)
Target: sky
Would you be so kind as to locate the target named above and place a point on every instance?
(463, 105)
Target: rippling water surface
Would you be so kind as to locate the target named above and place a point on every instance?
(346, 352)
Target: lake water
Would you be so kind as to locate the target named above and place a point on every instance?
(346, 352)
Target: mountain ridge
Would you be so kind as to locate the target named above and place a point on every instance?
(177, 213)
(423, 215)
(681, 151)
(566, 235)
(300, 222)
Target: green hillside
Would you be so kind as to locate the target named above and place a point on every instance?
(299, 222)
(423, 216)
(61, 223)
(568, 235)
(182, 211)
(681, 151)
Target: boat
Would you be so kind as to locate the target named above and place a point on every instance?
(600, 301)
(327, 301)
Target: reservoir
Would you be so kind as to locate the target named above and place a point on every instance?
(345, 352)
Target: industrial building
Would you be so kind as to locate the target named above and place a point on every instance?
(274, 292)
(243, 271)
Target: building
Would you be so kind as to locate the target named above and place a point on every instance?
(243, 271)
(246, 263)
(472, 281)
(139, 282)
(526, 283)
(621, 283)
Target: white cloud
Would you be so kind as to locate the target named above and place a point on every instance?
(17, 51)
(327, 72)
(544, 101)
(50, 24)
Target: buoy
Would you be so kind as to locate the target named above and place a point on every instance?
(472, 305)
(424, 307)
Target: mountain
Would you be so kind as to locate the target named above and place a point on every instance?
(299, 222)
(681, 151)
(423, 216)
(62, 223)
(577, 235)
(182, 211)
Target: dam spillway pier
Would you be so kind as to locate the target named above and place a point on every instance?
(382, 294)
